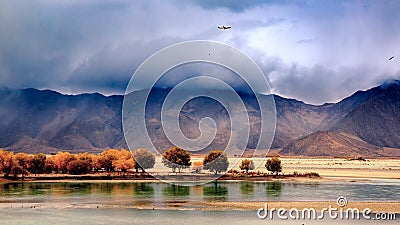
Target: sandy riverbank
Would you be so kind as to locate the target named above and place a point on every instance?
(371, 168)
(393, 207)
(374, 206)
(335, 167)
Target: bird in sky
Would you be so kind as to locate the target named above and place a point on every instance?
(391, 58)
(224, 27)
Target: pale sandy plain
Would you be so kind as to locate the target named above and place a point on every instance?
(328, 168)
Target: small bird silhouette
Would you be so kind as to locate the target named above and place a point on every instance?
(391, 58)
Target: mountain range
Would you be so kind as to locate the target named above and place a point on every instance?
(363, 124)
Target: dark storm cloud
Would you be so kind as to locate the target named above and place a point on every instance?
(241, 5)
(233, 5)
(316, 51)
(73, 46)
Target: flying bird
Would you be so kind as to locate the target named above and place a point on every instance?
(224, 27)
(391, 58)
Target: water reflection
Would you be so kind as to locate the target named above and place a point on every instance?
(273, 189)
(215, 191)
(129, 192)
(246, 188)
(143, 190)
(176, 191)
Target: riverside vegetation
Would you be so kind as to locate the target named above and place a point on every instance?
(123, 162)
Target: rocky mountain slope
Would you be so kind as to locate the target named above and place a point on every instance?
(46, 121)
(328, 143)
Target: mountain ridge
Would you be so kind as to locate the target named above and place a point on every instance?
(49, 120)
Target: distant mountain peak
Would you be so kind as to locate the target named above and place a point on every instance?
(390, 83)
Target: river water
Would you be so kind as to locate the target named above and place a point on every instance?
(132, 202)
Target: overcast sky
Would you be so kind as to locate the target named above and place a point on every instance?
(315, 51)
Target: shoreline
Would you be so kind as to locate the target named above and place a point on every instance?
(305, 168)
(152, 180)
(127, 179)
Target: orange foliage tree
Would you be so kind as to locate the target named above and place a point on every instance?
(246, 165)
(176, 158)
(106, 159)
(61, 161)
(82, 164)
(38, 163)
(216, 161)
(7, 162)
(123, 161)
(22, 164)
(49, 165)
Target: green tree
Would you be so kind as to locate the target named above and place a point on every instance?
(144, 159)
(247, 165)
(216, 161)
(38, 163)
(274, 165)
(176, 158)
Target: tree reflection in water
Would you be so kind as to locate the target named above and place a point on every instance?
(247, 188)
(273, 189)
(143, 190)
(215, 191)
(176, 191)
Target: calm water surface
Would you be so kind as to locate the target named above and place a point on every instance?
(128, 192)
(122, 197)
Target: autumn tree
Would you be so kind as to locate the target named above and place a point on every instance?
(7, 162)
(176, 158)
(61, 161)
(216, 161)
(49, 165)
(38, 163)
(144, 159)
(247, 165)
(123, 161)
(96, 164)
(106, 159)
(22, 163)
(85, 156)
(274, 165)
(79, 166)
(82, 164)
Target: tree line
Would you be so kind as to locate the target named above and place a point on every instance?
(113, 160)
(82, 163)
